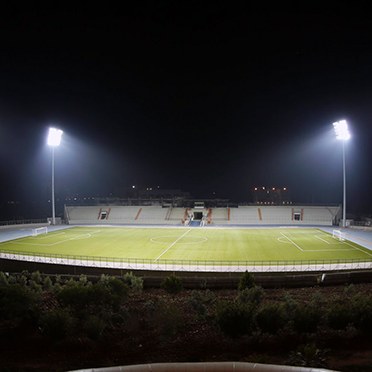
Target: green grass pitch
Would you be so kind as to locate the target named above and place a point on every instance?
(191, 244)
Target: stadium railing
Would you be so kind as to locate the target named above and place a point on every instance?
(188, 265)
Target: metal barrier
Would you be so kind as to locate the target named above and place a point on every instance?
(189, 265)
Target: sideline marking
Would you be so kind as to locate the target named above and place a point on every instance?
(369, 254)
(173, 244)
(293, 243)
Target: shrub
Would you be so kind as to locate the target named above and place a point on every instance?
(197, 302)
(172, 284)
(16, 301)
(340, 316)
(270, 318)
(290, 306)
(3, 279)
(34, 286)
(94, 327)
(134, 282)
(57, 324)
(362, 312)
(83, 279)
(167, 319)
(36, 277)
(306, 319)
(246, 281)
(48, 285)
(235, 319)
(77, 297)
(252, 295)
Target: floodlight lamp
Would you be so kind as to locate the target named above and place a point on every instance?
(54, 137)
(341, 130)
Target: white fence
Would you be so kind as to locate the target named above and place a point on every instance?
(192, 266)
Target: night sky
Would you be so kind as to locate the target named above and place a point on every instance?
(213, 98)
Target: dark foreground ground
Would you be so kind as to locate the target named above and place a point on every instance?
(154, 325)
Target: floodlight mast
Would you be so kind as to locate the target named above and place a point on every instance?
(54, 140)
(343, 134)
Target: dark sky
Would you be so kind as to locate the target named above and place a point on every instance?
(213, 98)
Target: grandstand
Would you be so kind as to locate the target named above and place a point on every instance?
(241, 215)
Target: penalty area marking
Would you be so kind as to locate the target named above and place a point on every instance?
(280, 239)
(175, 242)
(297, 246)
(77, 237)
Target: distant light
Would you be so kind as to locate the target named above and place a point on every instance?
(263, 188)
(255, 189)
(273, 188)
(54, 137)
(133, 187)
(285, 189)
(341, 129)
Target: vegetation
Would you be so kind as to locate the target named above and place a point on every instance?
(306, 327)
(172, 284)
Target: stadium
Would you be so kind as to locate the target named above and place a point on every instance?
(198, 240)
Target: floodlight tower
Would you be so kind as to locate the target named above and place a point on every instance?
(54, 140)
(343, 134)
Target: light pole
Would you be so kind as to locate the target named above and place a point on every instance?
(343, 134)
(54, 140)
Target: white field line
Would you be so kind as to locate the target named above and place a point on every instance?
(328, 250)
(77, 237)
(47, 237)
(369, 254)
(317, 250)
(323, 240)
(175, 242)
(297, 246)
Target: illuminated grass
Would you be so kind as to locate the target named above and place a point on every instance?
(191, 244)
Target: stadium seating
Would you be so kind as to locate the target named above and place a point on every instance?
(243, 215)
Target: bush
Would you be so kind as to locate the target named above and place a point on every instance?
(197, 302)
(133, 282)
(83, 279)
(235, 319)
(362, 313)
(270, 318)
(94, 327)
(16, 301)
(246, 281)
(47, 284)
(290, 306)
(78, 297)
(3, 279)
(36, 277)
(167, 319)
(340, 316)
(172, 284)
(110, 293)
(306, 319)
(57, 324)
(252, 295)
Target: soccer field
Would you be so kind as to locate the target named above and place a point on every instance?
(228, 245)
